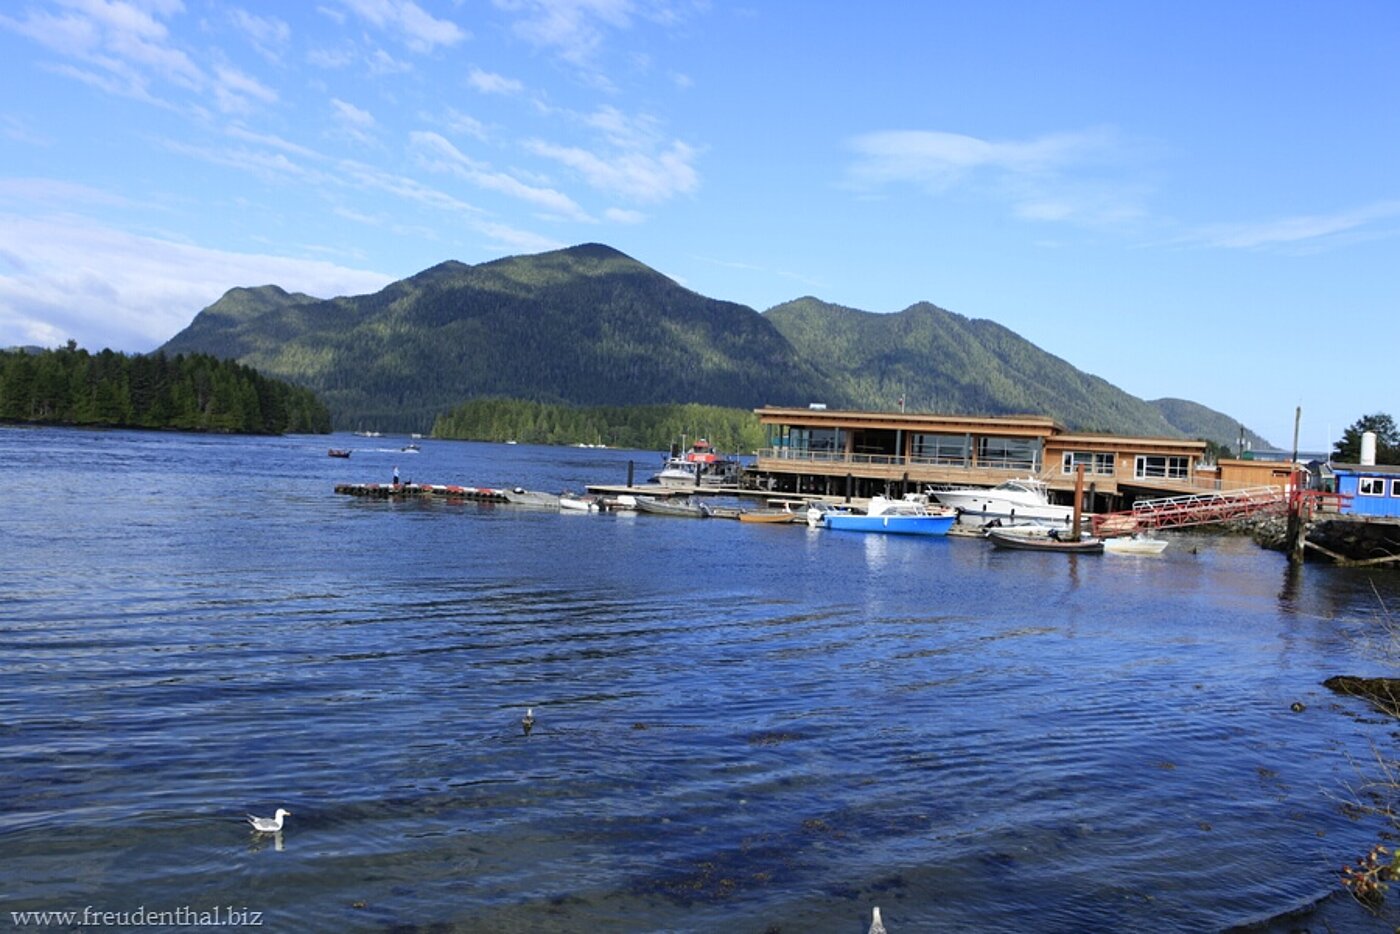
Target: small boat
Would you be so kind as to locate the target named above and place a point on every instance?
(819, 509)
(770, 515)
(572, 502)
(410, 449)
(338, 452)
(1012, 501)
(1135, 545)
(1033, 538)
(1030, 538)
(519, 496)
(688, 508)
(895, 517)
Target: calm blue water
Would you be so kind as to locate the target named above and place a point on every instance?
(739, 728)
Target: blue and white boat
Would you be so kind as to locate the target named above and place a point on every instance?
(894, 517)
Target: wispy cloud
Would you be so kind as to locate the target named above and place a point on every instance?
(634, 159)
(1306, 231)
(268, 34)
(408, 22)
(488, 82)
(439, 155)
(1060, 176)
(352, 122)
(71, 277)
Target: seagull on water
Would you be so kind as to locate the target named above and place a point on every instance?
(527, 722)
(876, 925)
(269, 824)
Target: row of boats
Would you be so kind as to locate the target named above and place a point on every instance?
(1015, 515)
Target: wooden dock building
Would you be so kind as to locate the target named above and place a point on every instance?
(820, 452)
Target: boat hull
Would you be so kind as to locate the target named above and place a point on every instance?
(891, 525)
(1024, 541)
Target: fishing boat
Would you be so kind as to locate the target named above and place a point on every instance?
(894, 517)
(699, 466)
(686, 508)
(1012, 502)
(338, 452)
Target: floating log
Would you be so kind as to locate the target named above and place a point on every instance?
(436, 490)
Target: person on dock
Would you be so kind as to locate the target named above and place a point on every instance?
(396, 475)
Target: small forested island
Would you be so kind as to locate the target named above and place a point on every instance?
(186, 392)
(641, 427)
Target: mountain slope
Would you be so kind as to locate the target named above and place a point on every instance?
(939, 361)
(1196, 421)
(587, 325)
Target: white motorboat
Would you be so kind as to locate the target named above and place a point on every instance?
(700, 466)
(1134, 545)
(1011, 502)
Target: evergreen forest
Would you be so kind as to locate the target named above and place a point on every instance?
(641, 427)
(188, 392)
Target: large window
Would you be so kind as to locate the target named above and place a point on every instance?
(1148, 467)
(1095, 462)
(817, 443)
(1370, 486)
(941, 449)
(1009, 453)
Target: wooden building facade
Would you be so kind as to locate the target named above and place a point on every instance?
(816, 451)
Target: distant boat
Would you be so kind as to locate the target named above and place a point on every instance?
(411, 449)
(894, 517)
(338, 452)
(1012, 501)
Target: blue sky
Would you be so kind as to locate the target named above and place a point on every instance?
(1197, 199)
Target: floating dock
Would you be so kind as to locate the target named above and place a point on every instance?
(438, 490)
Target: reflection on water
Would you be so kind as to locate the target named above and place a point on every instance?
(736, 726)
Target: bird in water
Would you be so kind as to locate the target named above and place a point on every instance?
(876, 925)
(527, 722)
(271, 824)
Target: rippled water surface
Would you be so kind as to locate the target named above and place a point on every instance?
(739, 728)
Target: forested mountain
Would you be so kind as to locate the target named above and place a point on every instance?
(1196, 421)
(198, 392)
(939, 361)
(589, 326)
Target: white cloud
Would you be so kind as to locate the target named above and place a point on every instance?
(438, 154)
(573, 29)
(352, 121)
(490, 83)
(624, 216)
(639, 176)
(1056, 177)
(69, 277)
(268, 34)
(233, 90)
(1303, 230)
(407, 20)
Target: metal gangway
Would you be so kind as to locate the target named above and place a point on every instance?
(1174, 512)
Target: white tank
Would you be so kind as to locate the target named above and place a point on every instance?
(1368, 449)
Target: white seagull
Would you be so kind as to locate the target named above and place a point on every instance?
(269, 824)
(876, 925)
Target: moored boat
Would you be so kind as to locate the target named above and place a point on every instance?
(699, 466)
(1029, 538)
(1135, 545)
(686, 508)
(572, 502)
(894, 517)
(1012, 501)
(338, 452)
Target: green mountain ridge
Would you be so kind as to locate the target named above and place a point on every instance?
(590, 325)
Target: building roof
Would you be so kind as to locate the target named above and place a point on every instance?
(1389, 470)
